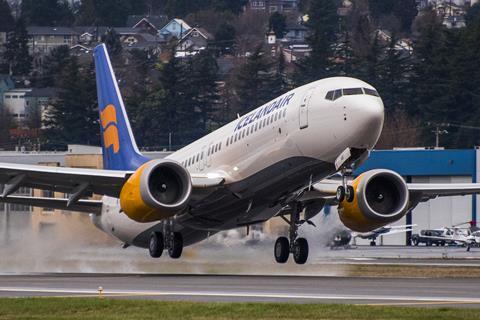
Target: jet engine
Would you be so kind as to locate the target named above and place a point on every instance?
(381, 197)
(159, 189)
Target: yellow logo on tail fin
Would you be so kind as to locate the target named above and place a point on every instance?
(108, 118)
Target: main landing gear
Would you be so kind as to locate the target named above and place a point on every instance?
(296, 246)
(172, 241)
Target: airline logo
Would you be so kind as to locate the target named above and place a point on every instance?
(108, 117)
(263, 111)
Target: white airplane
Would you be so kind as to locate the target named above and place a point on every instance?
(270, 162)
(383, 231)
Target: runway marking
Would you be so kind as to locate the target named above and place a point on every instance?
(113, 293)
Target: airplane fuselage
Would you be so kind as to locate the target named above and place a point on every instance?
(265, 156)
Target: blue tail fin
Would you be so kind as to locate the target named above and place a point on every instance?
(120, 152)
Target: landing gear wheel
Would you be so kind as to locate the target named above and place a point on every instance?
(415, 242)
(350, 194)
(156, 245)
(340, 193)
(300, 251)
(176, 246)
(282, 250)
(373, 243)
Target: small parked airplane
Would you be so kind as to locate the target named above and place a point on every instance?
(273, 161)
(343, 238)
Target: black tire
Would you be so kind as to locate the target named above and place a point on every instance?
(176, 248)
(428, 244)
(340, 194)
(442, 243)
(156, 245)
(300, 251)
(373, 243)
(350, 195)
(281, 250)
(415, 241)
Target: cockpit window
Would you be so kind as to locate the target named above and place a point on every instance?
(337, 94)
(352, 91)
(329, 95)
(371, 92)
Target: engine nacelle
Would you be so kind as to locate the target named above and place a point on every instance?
(381, 197)
(159, 189)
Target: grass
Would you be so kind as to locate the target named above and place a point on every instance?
(412, 271)
(94, 308)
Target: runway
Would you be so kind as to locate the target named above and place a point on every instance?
(226, 288)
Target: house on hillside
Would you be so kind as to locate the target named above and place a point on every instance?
(6, 84)
(149, 24)
(193, 42)
(176, 28)
(44, 39)
(272, 5)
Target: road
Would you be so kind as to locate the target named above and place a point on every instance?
(245, 288)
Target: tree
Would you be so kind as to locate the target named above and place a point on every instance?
(74, 116)
(53, 65)
(7, 22)
(47, 12)
(16, 53)
(225, 38)
(278, 23)
(6, 123)
(473, 15)
(112, 13)
(112, 40)
(322, 24)
(280, 82)
(203, 79)
(233, 6)
(252, 80)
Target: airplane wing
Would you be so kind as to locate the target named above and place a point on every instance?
(420, 191)
(77, 182)
(427, 191)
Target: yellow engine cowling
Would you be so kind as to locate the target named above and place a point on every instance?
(159, 189)
(381, 197)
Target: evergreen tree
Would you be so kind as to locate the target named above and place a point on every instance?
(74, 116)
(113, 13)
(7, 23)
(473, 15)
(234, 6)
(47, 12)
(203, 80)
(53, 65)
(112, 40)
(252, 80)
(16, 53)
(225, 38)
(322, 24)
(278, 23)
(280, 82)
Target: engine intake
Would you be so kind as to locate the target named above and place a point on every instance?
(381, 197)
(158, 189)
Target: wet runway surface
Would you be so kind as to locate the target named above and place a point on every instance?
(245, 288)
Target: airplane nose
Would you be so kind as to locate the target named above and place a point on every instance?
(367, 116)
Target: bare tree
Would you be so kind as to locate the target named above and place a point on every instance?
(400, 131)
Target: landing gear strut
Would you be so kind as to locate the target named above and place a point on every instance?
(172, 241)
(345, 191)
(297, 246)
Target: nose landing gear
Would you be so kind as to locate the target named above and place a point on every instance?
(345, 191)
(298, 247)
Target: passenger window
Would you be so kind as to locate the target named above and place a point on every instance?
(371, 92)
(352, 91)
(201, 156)
(276, 117)
(198, 157)
(284, 113)
(256, 126)
(264, 122)
(329, 95)
(243, 134)
(337, 94)
(220, 146)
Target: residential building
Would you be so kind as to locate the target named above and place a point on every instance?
(14, 102)
(176, 28)
(44, 39)
(37, 104)
(272, 5)
(6, 84)
(149, 24)
(193, 42)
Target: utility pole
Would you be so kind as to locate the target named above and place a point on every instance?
(437, 133)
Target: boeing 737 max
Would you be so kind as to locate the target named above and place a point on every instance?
(273, 161)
